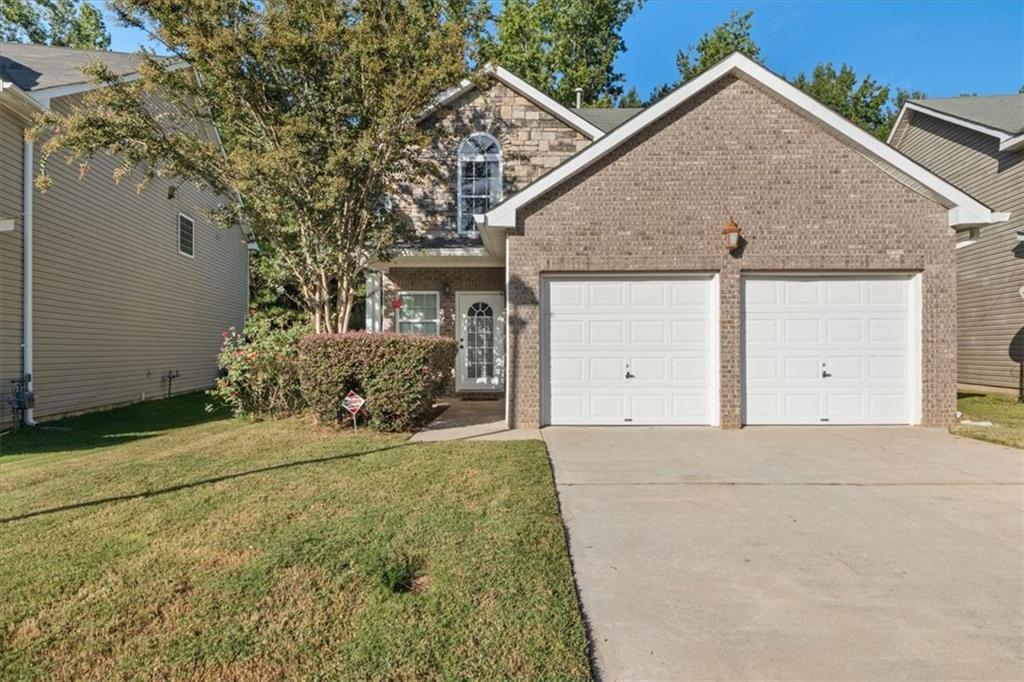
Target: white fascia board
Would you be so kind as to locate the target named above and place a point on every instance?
(424, 260)
(1000, 135)
(523, 88)
(45, 95)
(504, 214)
(1012, 144)
(545, 102)
(19, 101)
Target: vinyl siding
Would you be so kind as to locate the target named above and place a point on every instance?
(116, 306)
(990, 273)
(11, 150)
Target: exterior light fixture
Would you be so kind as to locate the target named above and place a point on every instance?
(446, 289)
(732, 235)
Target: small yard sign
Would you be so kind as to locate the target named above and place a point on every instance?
(353, 402)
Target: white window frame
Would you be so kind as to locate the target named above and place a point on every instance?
(478, 157)
(178, 235)
(437, 310)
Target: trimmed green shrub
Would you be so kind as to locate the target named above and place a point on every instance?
(259, 367)
(400, 375)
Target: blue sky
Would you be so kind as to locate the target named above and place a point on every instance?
(942, 47)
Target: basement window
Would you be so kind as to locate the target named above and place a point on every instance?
(418, 313)
(186, 236)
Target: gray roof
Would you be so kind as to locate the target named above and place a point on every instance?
(35, 67)
(607, 118)
(1002, 112)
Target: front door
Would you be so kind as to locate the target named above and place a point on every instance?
(481, 333)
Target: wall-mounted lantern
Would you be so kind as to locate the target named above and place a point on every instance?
(446, 289)
(732, 235)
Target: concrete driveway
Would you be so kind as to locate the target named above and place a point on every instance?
(795, 553)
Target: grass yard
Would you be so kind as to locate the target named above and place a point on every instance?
(1005, 413)
(160, 541)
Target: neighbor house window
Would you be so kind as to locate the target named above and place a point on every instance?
(418, 313)
(479, 179)
(186, 235)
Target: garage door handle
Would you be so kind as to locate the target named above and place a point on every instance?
(825, 375)
(629, 375)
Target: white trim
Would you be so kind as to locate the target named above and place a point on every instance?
(461, 357)
(508, 354)
(915, 312)
(715, 344)
(429, 260)
(714, 324)
(459, 158)
(964, 210)
(27, 340)
(19, 101)
(45, 95)
(374, 288)
(178, 234)
(520, 86)
(1007, 141)
(914, 320)
(437, 308)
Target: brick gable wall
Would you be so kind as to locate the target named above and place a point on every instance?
(805, 200)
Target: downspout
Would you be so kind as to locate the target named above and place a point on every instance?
(26, 269)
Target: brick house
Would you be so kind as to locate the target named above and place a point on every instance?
(734, 254)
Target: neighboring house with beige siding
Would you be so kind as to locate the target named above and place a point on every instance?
(977, 143)
(126, 287)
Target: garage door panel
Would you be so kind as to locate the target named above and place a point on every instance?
(658, 330)
(826, 350)
(647, 331)
(605, 332)
(801, 331)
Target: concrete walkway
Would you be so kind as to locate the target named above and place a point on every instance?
(795, 554)
(472, 420)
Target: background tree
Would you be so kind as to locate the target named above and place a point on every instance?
(732, 35)
(861, 100)
(630, 99)
(560, 45)
(65, 23)
(317, 103)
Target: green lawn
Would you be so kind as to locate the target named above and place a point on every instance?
(160, 541)
(1005, 413)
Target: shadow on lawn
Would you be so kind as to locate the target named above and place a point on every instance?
(112, 427)
(195, 484)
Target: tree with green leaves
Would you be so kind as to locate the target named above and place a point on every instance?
(861, 100)
(732, 35)
(560, 45)
(317, 104)
(631, 98)
(64, 23)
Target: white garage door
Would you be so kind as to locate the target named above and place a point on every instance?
(629, 351)
(829, 350)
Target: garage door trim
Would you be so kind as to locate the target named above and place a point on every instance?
(714, 333)
(914, 328)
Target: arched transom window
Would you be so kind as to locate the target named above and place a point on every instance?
(479, 179)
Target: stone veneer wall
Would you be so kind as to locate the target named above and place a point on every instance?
(806, 201)
(532, 142)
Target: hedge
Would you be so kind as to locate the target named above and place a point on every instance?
(400, 375)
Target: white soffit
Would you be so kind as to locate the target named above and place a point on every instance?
(520, 86)
(964, 210)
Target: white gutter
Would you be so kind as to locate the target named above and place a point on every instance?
(26, 269)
